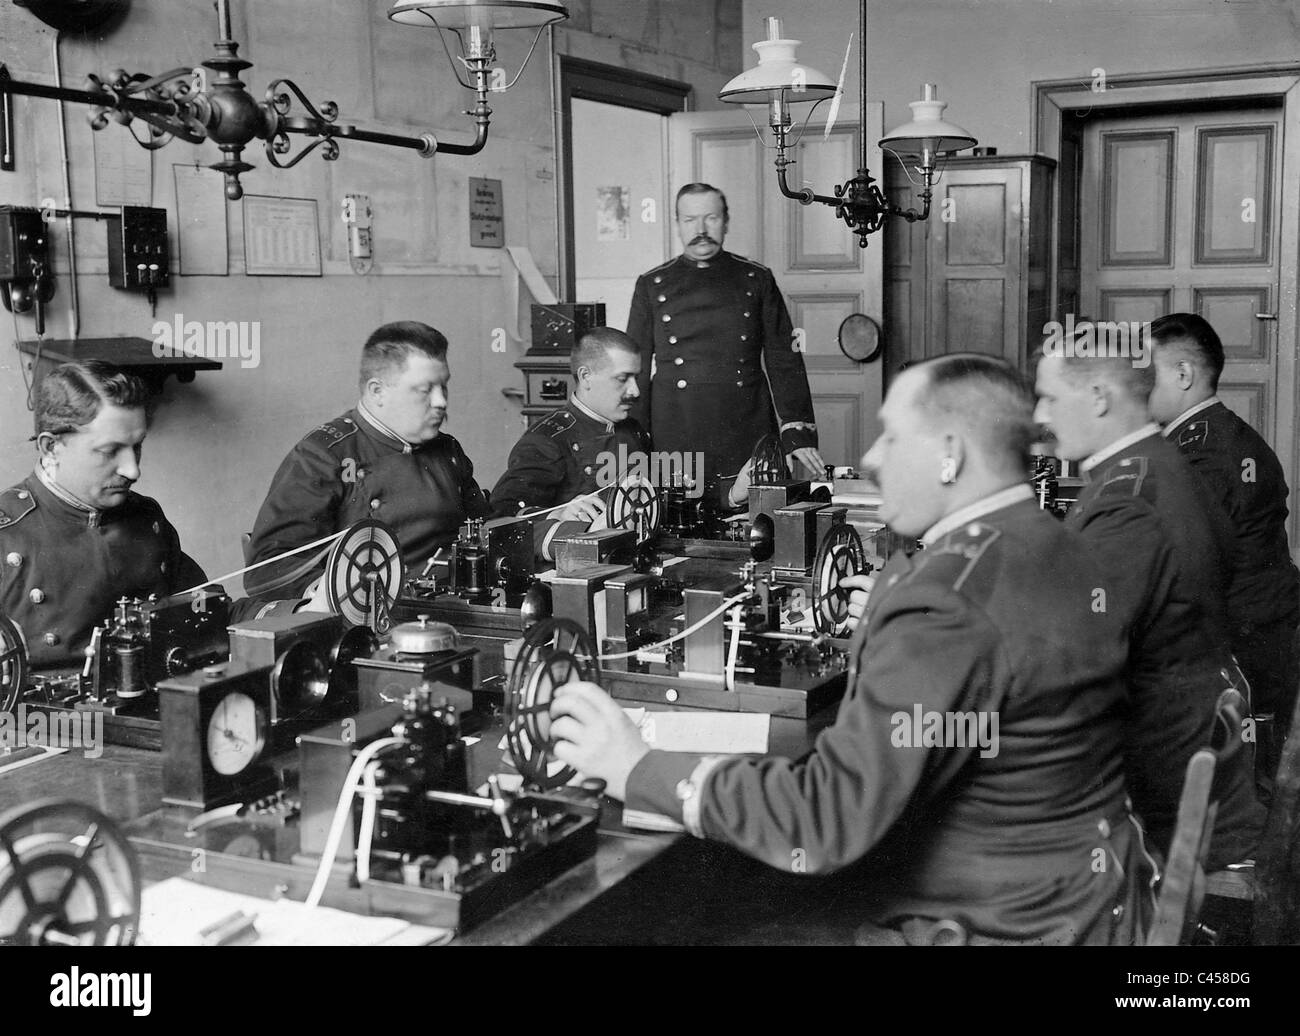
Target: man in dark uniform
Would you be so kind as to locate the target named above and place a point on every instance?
(73, 536)
(1243, 475)
(1165, 566)
(387, 458)
(581, 448)
(720, 364)
(1022, 837)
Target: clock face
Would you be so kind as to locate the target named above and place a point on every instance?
(236, 734)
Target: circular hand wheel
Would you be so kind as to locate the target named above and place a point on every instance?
(555, 652)
(839, 555)
(13, 664)
(365, 562)
(636, 505)
(68, 877)
(769, 467)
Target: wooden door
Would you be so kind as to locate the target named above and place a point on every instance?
(817, 263)
(1179, 213)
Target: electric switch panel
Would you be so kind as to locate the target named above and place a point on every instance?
(23, 245)
(138, 256)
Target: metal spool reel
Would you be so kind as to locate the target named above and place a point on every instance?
(636, 505)
(769, 467)
(364, 573)
(13, 663)
(839, 555)
(554, 652)
(68, 877)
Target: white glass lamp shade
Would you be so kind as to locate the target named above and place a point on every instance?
(466, 14)
(777, 70)
(928, 131)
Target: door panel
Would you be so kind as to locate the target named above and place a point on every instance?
(817, 263)
(1177, 215)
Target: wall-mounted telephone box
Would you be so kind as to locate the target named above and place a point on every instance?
(139, 258)
(22, 243)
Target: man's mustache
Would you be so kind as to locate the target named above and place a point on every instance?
(703, 239)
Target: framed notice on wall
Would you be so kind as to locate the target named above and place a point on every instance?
(487, 221)
(281, 237)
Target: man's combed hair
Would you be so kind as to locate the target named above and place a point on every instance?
(988, 397)
(1191, 337)
(701, 188)
(71, 396)
(1115, 367)
(594, 346)
(387, 349)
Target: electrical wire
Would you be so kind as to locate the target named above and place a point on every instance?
(269, 561)
(684, 633)
(341, 814)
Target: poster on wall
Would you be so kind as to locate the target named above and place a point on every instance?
(201, 221)
(281, 237)
(487, 219)
(613, 213)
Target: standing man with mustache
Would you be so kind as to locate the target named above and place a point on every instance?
(387, 458)
(719, 363)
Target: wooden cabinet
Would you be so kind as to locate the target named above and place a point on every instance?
(975, 276)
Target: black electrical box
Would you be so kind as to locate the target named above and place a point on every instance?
(558, 327)
(138, 256)
(23, 244)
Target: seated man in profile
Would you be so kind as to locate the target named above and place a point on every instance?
(581, 448)
(1244, 477)
(73, 536)
(387, 458)
(1163, 548)
(991, 625)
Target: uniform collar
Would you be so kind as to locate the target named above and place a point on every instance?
(1188, 414)
(586, 411)
(384, 431)
(70, 505)
(996, 502)
(1122, 443)
(703, 264)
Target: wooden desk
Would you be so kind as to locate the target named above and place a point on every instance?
(126, 784)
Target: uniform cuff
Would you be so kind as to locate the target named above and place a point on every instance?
(796, 435)
(671, 784)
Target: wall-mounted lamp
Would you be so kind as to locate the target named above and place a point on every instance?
(212, 103)
(779, 82)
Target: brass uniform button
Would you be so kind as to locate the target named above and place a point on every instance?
(14, 559)
(51, 639)
(36, 595)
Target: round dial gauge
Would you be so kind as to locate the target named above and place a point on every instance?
(236, 734)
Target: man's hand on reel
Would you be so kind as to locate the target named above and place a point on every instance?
(806, 462)
(739, 494)
(587, 508)
(861, 585)
(594, 736)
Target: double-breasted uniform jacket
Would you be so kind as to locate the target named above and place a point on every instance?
(349, 469)
(569, 452)
(62, 567)
(1244, 476)
(994, 618)
(720, 367)
(1142, 513)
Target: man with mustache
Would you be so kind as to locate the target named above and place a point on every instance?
(562, 458)
(73, 536)
(720, 366)
(1029, 842)
(387, 458)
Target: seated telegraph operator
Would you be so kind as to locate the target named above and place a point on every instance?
(572, 453)
(1162, 550)
(387, 458)
(73, 536)
(992, 620)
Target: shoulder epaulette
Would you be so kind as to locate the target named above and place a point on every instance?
(331, 433)
(1195, 434)
(660, 267)
(1124, 477)
(751, 262)
(968, 542)
(16, 503)
(555, 423)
